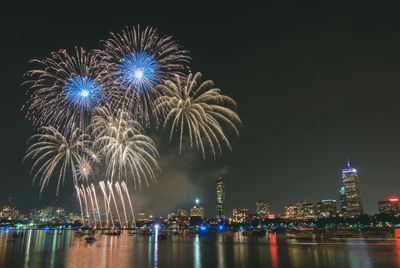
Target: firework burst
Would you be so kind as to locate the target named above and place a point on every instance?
(127, 151)
(136, 62)
(84, 169)
(200, 111)
(64, 90)
(53, 151)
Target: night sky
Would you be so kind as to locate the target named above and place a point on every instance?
(314, 84)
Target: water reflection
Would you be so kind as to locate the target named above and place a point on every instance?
(274, 250)
(220, 251)
(397, 239)
(38, 248)
(196, 252)
(156, 247)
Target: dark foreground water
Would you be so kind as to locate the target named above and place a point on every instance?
(38, 248)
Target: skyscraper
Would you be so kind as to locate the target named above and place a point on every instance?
(220, 198)
(262, 209)
(390, 206)
(326, 208)
(350, 195)
(197, 211)
(240, 215)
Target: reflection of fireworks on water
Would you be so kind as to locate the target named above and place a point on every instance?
(136, 61)
(64, 90)
(128, 152)
(199, 111)
(52, 150)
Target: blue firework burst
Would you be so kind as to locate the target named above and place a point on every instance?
(83, 92)
(138, 70)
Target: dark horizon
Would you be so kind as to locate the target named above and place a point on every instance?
(314, 83)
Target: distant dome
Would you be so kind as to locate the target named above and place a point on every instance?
(8, 205)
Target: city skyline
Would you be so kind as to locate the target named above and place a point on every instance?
(347, 206)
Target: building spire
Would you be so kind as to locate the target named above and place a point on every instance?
(348, 162)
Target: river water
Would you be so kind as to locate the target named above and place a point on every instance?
(40, 248)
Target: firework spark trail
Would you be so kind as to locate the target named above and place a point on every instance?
(129, 200)
(80, 203)
(83, 193)
(127, 151)
(89, 193)
(199, 110)
(106, 204)
(117, 186)
(53, 150)
(97, 204)
(65, 89)
(136, 61)
(113, 198)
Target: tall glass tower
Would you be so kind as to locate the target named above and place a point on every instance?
(220, 198)
(350, 195)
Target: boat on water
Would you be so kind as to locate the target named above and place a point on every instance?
(79, 233)
(144, 232)
(17, 234)
(90, 239)
(259, 232)
(163, 236)
(133, 232)
(116, 232)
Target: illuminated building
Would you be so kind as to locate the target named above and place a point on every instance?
(290, 212)
(390, 206)
(59, 214)
(262, 209)
(46, 215)
(73, 218)
(241, 215)
(351, 203)
(142, 217)
(341, 196)
(326, 208)
(220, 198)
(301, 210)
(8, 211)
(197, 211)
(53, 215)
(182, 213)
(308, 211)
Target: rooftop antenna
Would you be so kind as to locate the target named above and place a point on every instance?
(348, 161)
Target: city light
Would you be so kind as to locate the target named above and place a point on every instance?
(197, 201)
(203, 227)
(395, 199)
(349, 170)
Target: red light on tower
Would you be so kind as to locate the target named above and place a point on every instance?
(395, 199)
